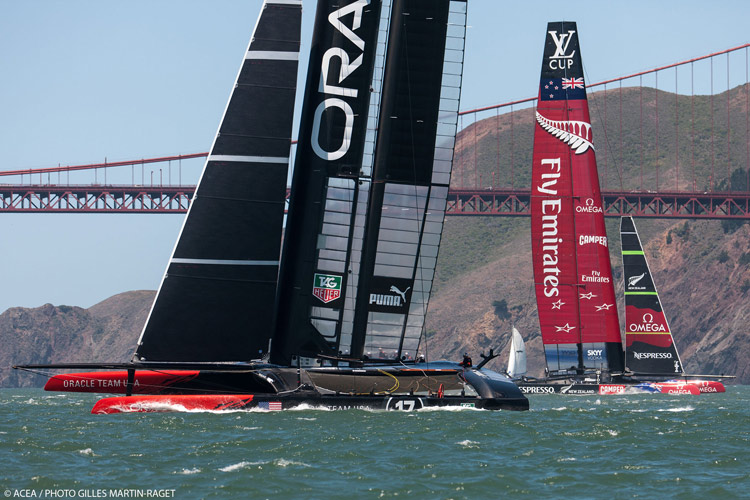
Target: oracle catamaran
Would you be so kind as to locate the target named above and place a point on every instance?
(570, 251)
(338, 320)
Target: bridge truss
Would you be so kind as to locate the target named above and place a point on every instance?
(463, 202)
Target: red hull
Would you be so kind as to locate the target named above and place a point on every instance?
(115, 382)
(682, 388)
(166, 403)
(709, 386)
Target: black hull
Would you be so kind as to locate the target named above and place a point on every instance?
(397, 403)
(416, 385)
(310, 400)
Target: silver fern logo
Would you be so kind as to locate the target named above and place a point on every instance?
(575, 134)
(633, 280)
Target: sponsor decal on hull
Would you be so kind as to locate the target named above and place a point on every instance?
(580, 392)
(607, 389)
(116, 381)
(571, 389)
(706, 386)
(677, 388)
(404, 404)
(536, 389)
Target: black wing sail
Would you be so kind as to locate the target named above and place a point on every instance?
(215, 302)
(649, 345)
(323, 232)
(411, 174)
(362, 233)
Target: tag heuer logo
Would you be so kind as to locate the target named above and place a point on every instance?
(327, 287)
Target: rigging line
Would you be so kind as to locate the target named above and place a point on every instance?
(569, 152)
(418, 264)
(594, 104)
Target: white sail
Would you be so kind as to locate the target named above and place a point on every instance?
(517, 357)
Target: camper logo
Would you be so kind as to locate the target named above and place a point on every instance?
(327, 287)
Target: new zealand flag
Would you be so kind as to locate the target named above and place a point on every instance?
(558, 89)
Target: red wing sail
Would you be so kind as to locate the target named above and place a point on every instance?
(649, 346)
(572, 272)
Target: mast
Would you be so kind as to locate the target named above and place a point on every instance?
(572, 271)
(649, 345)
(323, 231)
(215, 302)
(410, 178)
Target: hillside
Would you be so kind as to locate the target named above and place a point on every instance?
(703, 276)
(484, 278)
(674, 138)
(107, 331)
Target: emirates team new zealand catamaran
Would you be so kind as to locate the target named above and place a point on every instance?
(572, 272)
(336, 321)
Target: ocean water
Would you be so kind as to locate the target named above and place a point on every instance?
(635, 446)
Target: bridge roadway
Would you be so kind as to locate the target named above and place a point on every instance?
(461, 202)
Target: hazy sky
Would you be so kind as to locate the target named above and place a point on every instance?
(81, 81)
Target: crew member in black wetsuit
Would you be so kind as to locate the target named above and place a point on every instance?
(466, 363)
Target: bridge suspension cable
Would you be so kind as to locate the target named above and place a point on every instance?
(647, 166)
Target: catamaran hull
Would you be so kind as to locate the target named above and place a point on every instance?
(265, 402)
(582, 389)
(709, 386)
(271, 387)
(158, 382)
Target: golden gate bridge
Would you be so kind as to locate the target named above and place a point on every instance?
(661, 153)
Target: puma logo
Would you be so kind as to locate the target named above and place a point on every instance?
(402, 294)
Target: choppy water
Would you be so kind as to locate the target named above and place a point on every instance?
(636, 446)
